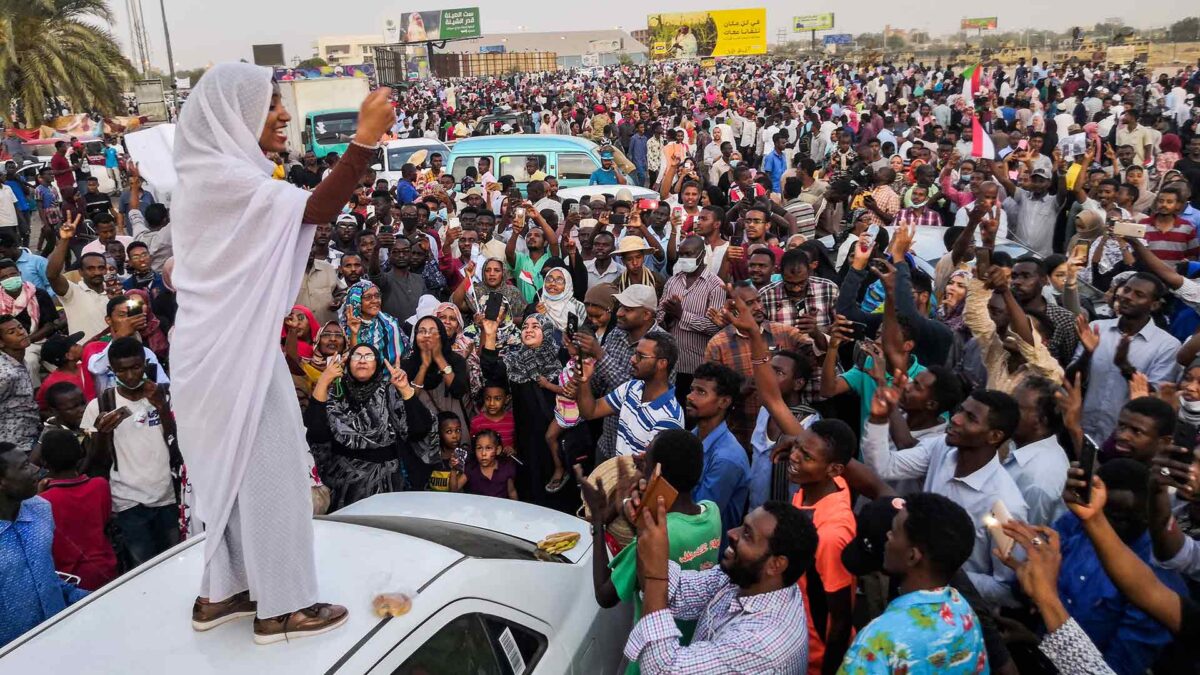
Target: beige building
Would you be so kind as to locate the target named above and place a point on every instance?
(344, 50)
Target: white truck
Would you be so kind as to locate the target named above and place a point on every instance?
(324, 112)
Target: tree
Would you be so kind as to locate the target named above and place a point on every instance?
(1185, 30)
(53, 50)
(314, 62)
(895, 42)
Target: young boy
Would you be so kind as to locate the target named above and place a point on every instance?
(454, 454)
(816, 462)
(82, 507)
(496, 415)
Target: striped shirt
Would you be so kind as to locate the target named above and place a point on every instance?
(805, 215)
(1176, 244)
(639, 422)
(761, 633)
(819, 300)
(915, 217)
(693, 329)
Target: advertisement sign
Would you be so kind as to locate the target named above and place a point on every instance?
(981, 23)
(439, 24)
(690, 35)
(491, 49)
(809, 22)
(365, 70)
(839, 39)
(589, 60)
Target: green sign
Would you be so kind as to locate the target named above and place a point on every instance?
(980, 23)
(438, 24)
(460, 23)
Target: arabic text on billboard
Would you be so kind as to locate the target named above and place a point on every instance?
(442, 24)
(812, 22)
(689, 35)
(984, 23)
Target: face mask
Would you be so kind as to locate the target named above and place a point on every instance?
(133, 386)
(1190, 406)
(917, 205)
(409, 221)
(686, 265)
(12, 284)
(734, 162)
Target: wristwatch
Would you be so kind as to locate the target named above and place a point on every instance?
(447, 370)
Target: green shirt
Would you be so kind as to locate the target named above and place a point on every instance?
(695, 545)
(864, 385)
(528, 274)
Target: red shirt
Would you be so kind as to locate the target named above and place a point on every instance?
(82, 507)
(59, 163)
(1176, 244)
(502, 426)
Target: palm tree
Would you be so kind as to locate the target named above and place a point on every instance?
(53, 51)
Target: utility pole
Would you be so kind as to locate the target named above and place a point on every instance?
(170, 58)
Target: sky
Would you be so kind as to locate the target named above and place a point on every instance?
(212, 31)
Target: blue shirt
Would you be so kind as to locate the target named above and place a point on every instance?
(603, 177)
(110, 157)
(33, 269)
(406, 193)
(18, 188)
(146, 200)
(920, 632)
(1151, 351)
(1127, 637)
(639, 422)
(637, 151)
(725, 478)
(30, 590)
(1192, 215)
(774, 165)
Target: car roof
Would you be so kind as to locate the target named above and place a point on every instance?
(638, 192)
(139, 622)
(414, 143)
(518, 143)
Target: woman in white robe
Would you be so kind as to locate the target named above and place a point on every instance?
(241, 241)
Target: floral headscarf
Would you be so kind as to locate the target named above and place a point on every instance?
(526, 364)
(382, 332)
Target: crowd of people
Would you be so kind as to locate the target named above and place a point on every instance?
(925, 407)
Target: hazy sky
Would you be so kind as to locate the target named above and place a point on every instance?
(204, 31)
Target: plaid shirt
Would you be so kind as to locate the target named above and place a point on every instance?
(730, 348)
(912, 217)
(764, 633)
(615, 368)
(819, 300)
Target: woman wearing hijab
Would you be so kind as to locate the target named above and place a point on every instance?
(363, 417)
(234, 227)
(441, 379)
(537, 358)
(301, 325)
(1170, 149)
(463, 345)
(558, 301)
(472, 298)
(330, 341)
(152, 333)
(365, 323)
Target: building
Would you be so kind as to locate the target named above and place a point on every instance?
(603, 47)
(344, 50)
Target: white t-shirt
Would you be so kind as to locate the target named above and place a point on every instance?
(85, 309)
(963, 214)
(141, 473)
(8, 207)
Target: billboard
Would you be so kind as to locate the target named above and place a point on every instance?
(438, 24)
(838, 39)
(725, 32)
(812, 22)
(268, 55)
(363, 70)
(981, 23)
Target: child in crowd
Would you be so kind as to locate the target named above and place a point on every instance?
(496, 415)
(82, 507)
(489, 474)
(453, 453)
(566, 416)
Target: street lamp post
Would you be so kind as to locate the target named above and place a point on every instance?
(170, 56)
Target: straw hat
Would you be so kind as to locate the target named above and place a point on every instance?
(632, 244)
(418, 157)
(606, 473)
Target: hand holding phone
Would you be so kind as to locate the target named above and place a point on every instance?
(994, 520)
(658, 487)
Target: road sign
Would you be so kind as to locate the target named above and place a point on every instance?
(839, 39)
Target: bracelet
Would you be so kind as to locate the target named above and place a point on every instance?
(418, 385)
(760, 362)
(649, 578)
(364, 146)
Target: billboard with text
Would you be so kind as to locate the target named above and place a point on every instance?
(809, 22)
(438, 24)
(725, 32)
(981, 23)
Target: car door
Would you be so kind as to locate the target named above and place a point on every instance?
(575, 168)
(479, 637)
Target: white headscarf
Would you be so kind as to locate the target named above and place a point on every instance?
(240, 253)
(559, 306)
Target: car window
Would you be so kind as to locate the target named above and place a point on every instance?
(398, 157)
(514, 165)
(479, 644)
(576, 166)
(459, 168)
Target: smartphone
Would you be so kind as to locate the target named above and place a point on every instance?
(739, 235)
(491, 310)
(1087, 462)
(994, 521)
(152, 372)
(645, 204)
(1023, 144)
(133, 308)
(572, 325)
(573, 209)
(384, 229)
(617, 219)
(1186, 431)
(1129, 229)
(370, 210)
(860, 330)
(658, 487)
(1081, 250)
(519, 215)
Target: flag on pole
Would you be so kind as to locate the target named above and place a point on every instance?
(971, 85)
(981, 140)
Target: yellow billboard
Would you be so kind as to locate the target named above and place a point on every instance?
(725, 32)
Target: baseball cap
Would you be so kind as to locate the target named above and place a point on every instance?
(864, 553)
(478, 192)
(638, 295)
(347, 218)
(1042, 172)
(606, 154)
(55, 348)
(600, 295)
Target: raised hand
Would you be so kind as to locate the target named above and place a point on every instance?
(399, 379)
(67, 230)
(333, 368)
(595, 497)
(1089, 337)
(841, 331)
(884, 401)
(862, 252)
(375, 117)
(737, 313)
(353, 321)
(1070, 401)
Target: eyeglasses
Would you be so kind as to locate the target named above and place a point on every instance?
(427, 331)
(371, 296)
(638, 356)
(362, 356)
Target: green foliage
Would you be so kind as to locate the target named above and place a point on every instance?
(1185, 30)
(314, 62)
(53, 52)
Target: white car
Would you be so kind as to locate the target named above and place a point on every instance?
(484, 603)
(593, 190)
(396, 154)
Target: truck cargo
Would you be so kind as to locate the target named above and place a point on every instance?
(324, 112)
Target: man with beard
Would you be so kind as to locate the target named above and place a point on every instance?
(402, 287)
(751, 615)
(351, 269)
(527, 267)
(84, 301)
(930, 539)
(804, 302)
(1027, 279)
(345, 228)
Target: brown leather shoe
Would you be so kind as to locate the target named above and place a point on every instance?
(208, 615)
(319, 618)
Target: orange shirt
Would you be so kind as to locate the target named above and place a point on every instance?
(834, 519)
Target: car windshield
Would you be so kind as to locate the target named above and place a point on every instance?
(335, 127)
(398, 157)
